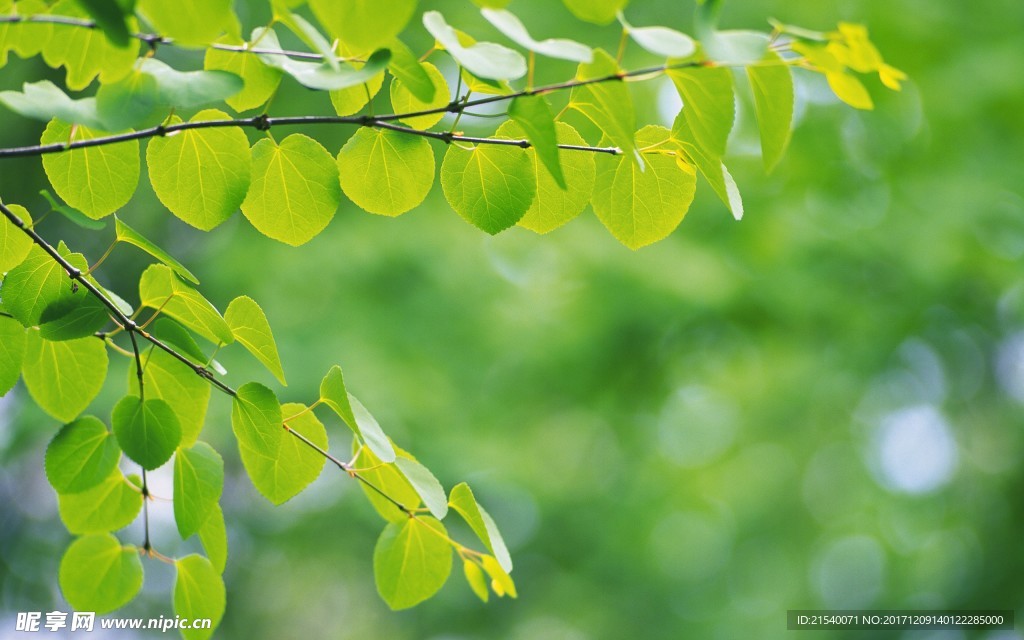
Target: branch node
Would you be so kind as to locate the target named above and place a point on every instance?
(447, 137)
(261, 122)
(130, 325)
(454, 106)
(74, 273)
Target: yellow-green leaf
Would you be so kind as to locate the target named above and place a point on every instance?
(86, 53)
(261, 81)
(198, 594)
(95, 180)
(81, 455)
(249, 325)
(98, 574)
(491, 186)
(772, 85)
(12, 352)
(410, 562)
(708, 105)
(198, 483)
(403, 100)
(111, 505)
(179, 386)
(386, 172)
(607, 104)
(189, 22)
(294, 192)
(849, 89)
(363, 25)
(161, 288)
(64, 377)
(14, 243)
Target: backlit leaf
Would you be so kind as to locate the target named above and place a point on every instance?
(483, 59)
(64, 377)
(198, 483)
(464, 502)
(850, 90)
(607, 104)
(201, 175)
(147, 430)
(95, 180)
(249, 325)
(260, 81)
(170, 380)
(81, 455)
(188, 22)
(320, 75)
(405, 67)
(533, 115)
(111, 505)
(386, 477)
(98, 574)
(363, 25)
(403, 100)
(772, 85)
(596, 11)
(214, 536)
(294, 192)
(86, 53)
(293, 464)
(410, 562)
(14, 244)
(708, 105)
(45, 101)
(475, 577)
(425, 484)
(554, 206)
(198, 593)
(126, 234)
(641, 207)
(386, 172)
(12, 352)
(490, 186)
(514, 30)
(161, 288)
(352, 99)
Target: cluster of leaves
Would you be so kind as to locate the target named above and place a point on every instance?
(58, 322)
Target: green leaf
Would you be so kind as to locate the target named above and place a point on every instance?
(643, 206)
(320, 76)
(260, 81)
(12, 353)
(177, 336)
(111, 505)
(64, 377)
(352, 99)
(596, 11)
(201, 175)
(294, 192)
(198, 594)
(464, 502)
(662, 41)
(73, 215)
(45, 101)
(161, 288)
(386, 172)
(713, 170)
(198, 483)
(507, 23)
(483, 59)
(129, 102)
(124, 233)
(72, 317)
(363, 25)
(214, 536)
(554, 206)
(533, 115)
(81, 455)
(386, 477)
(249, 325)
(154, 87)
(111, 17)
(256, 421)
(490, 186)
(14, 243)
(410, 562)
(293, 464)
(607, 104)
(403, 100)
(191, 23)
(475, 578)
(334, 394)
(501, 582)
(426, 485)
(737, 47)
(849, 89)
(24, 38)
(95, 180)
(406, 67)
(708, 105)
(306, 32)
(86, 53)
(147, 430)
(97, 574)
(772, 84)
(187, 393)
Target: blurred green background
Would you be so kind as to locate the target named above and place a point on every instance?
(816, 407)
